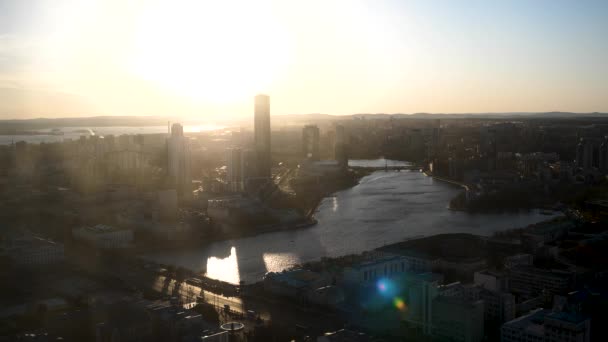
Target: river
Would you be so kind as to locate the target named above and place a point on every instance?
(384, 208)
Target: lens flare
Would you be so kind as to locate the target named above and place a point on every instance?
(382, 287)
(399, 304)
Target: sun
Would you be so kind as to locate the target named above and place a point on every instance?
(210, 51)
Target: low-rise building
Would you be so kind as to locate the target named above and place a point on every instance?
(529, 281)
(543, 325)
(546, 232)
(33, 251)
(567, 327)
(368, 272)
(499, 307)
(519, 260)
(491, 280)
(528, 328)
(457, 319)
(295, 283)
(104, 236)
(330, 296)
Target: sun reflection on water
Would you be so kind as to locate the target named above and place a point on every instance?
(277, 262)
(226, 269)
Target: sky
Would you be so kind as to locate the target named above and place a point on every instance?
(207, 59)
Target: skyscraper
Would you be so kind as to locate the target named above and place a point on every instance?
(310, 142)
(178, 153)
(340, 147)
(262, 134)
(234, 170)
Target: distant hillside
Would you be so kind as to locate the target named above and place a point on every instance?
(95, 121)
(106, 121)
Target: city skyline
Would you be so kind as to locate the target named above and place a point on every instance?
(61, 60)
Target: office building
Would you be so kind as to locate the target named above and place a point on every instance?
(340, 147)
(234, 169)
(310, 142)
(178, 150)
(262, 135)
(249, 167)
(529, 281)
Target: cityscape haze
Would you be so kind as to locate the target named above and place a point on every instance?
(303, 171)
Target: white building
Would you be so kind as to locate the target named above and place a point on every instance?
(104, 237)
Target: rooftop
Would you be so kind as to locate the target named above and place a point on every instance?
(567, 317)
(542, 271)
(374, 262)
(534, 317)
(294, 278)
(101, 229)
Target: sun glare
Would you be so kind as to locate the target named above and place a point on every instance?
(213, 51)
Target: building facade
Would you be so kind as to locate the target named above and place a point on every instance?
(104, 237)
(179, 160)
(262, 134)
(234, 169)
(457, 319)
(310, 142)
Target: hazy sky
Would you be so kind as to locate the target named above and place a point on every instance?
(207, 59)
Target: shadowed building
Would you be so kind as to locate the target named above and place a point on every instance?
(310, 142)
(178, 149)
(340, 152)
(234, 169)
(262, 134)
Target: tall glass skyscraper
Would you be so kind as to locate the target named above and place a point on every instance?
(262, 134)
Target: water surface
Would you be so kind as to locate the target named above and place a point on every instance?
(386, 207)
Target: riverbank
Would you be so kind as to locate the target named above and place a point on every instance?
(385, 207)
(163, 245)
(447, 180)
(312, 199)
(455, 203)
